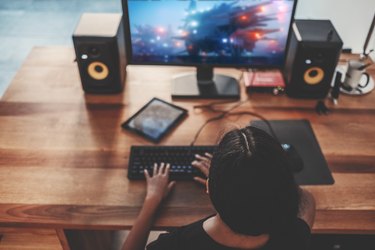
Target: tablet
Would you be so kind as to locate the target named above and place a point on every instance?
(155, 119)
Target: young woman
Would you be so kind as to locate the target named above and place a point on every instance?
(252, 189)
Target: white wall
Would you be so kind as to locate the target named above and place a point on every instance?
(351, 18)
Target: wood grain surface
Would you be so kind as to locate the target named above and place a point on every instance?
(29, 239)
(63, 155)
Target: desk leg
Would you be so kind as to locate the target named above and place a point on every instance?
(86, 239)
(63, 240)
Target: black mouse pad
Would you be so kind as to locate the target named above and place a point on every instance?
(300, 134)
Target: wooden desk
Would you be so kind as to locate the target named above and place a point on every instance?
(63, 155)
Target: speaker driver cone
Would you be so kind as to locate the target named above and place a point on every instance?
(313, 75)
(98, 70)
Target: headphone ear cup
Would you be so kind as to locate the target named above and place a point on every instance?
(313, 75)
(98, 70)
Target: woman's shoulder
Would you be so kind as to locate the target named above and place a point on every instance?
(193, 235)
(185, 236)
(297, 236)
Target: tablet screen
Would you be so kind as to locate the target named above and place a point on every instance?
(155, 119)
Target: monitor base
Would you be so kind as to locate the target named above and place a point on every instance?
(187, 86)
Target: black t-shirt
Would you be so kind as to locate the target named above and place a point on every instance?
(193, 237)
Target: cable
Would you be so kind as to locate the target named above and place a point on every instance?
(218, 117)
(211, 105)
(204, 125)
(258, 116)
(227, 113)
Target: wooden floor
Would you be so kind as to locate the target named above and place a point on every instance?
(46, 239)
(28, 23)
(29, 239)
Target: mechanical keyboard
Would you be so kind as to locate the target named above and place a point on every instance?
(179, 157)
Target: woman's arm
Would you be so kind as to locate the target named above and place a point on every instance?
(307, 207)
(158, 187)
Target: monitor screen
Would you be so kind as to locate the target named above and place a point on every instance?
(235, 33)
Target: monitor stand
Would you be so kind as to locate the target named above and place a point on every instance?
(205, 84)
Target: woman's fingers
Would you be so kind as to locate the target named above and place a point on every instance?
(202, 158)
(161, 168)
(171, 186)
(155, 170)
(147, 175)
(208, 155)
(167, 169)
(201, 166)
(200, 180)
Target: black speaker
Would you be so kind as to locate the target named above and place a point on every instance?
(100, 52)
(313, 54)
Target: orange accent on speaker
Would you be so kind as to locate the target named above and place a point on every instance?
(98, 70)
(313, 75)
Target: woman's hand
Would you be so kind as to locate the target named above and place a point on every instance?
(202, 163)
(158, 186)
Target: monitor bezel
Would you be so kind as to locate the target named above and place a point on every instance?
(128, 47)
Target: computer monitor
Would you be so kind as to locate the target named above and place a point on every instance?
(208, 34)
